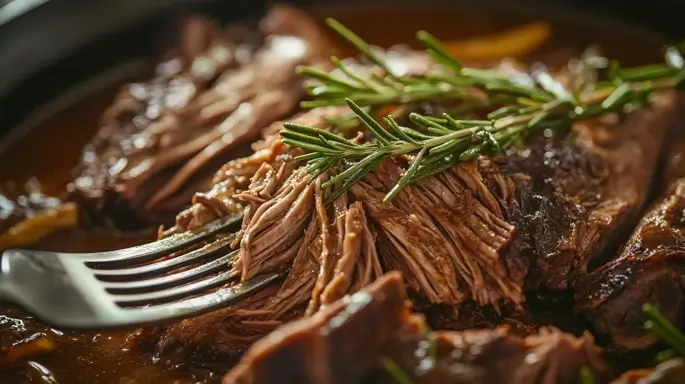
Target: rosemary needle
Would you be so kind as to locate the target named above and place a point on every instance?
(437, 144)
(586, 376)
(396, 372)
(664, 329)
(383, 87)
(665, 355)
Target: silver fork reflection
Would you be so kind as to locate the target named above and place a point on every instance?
(129, 287)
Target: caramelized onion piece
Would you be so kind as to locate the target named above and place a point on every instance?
(42, 224)
(29, 347)
(514, 42)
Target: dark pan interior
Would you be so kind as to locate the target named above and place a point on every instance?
(64, 43)
(67, 43)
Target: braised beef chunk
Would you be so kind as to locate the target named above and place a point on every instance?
(575, 200)
(219, 89)
(356, 337)
(495, 356)
(330, 251)
(339, 344)
(649, 269)
(483, 232)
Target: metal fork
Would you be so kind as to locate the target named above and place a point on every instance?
(125, 287)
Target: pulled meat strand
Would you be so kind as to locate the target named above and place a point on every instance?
(358, 265)
(275, 227)
(413, 247)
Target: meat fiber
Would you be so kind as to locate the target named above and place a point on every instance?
(330, 250)
(482, 233)
(355, 337)
(161, 138)
(234, 177)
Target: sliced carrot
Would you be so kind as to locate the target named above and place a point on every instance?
(515, 42)
(42, 224)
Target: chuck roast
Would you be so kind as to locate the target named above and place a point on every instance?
(215, 92)
(483, 232)
(354, 338)
(649, 269)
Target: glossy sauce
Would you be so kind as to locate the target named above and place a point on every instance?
(104, 357)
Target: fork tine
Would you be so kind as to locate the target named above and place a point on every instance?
(151, 251)
(163, 266)
(193, 306)
(182, 277)
(172, 293)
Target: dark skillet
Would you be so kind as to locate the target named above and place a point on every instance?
(63, 43)
(78, 39)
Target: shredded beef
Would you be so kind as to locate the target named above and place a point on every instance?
(468, 223)
(226, 194)
(484, 232)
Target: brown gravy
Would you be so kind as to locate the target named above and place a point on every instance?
(101, 357)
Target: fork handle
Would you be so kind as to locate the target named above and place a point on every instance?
(7, 288)
(25, 274)
(27, 279)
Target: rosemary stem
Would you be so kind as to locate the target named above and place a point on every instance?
(586, 375)
(665, 329)
(396, 372)
(519, 105)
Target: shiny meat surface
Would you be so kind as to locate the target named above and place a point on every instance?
(357, 336)
(649, 269)
(320, 349)
(219, 90)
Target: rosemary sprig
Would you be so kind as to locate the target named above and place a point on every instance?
(665, 355)
(436, 144)
(396, 372)
(386, 87)
(659, 325)
(439, 143)
(586, 376)
(383, 87)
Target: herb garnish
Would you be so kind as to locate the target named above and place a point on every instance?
(659, 325)
(436, 144)
(383, 87)
(585, 376)
(396, 372)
